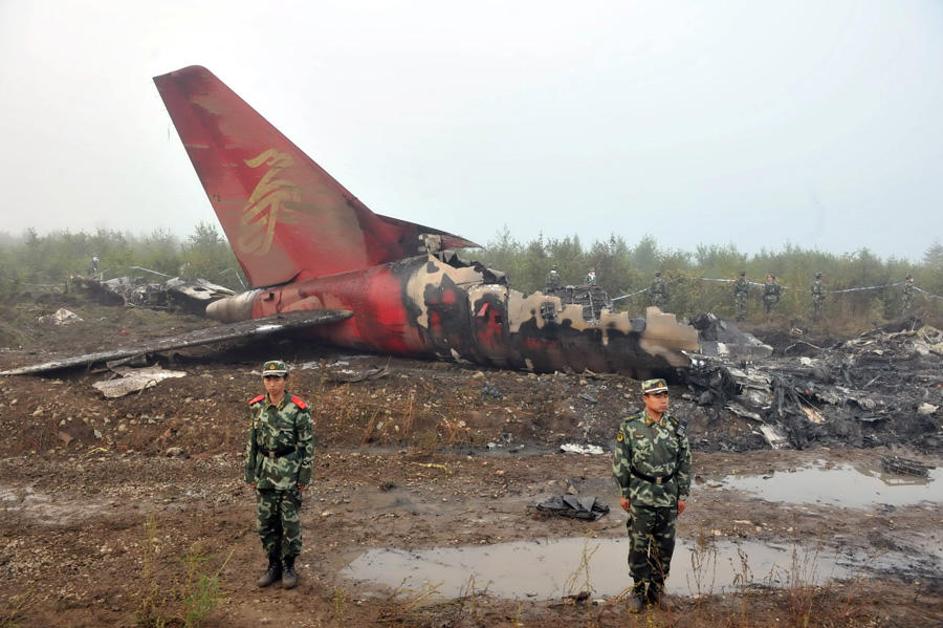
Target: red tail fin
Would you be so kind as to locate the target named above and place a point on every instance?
(285, 217)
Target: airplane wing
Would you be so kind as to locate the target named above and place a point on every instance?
(244, 329)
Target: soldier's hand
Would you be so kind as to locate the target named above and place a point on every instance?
(251, 485)
(681, 506)
(301, 487)
(625, 503)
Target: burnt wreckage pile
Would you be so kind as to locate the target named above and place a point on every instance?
(880, 388)
(190, 295)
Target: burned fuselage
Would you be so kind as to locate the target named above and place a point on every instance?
(440, 306)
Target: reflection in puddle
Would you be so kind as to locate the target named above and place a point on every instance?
(550, 569)
(853, 487)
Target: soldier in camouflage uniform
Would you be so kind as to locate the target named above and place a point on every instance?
(658, 292)
(818, 297)
(652, 464)
(591, 276)
(741, 292)
(553, 280)
(771, 293)
(907, 294)
(279, 457)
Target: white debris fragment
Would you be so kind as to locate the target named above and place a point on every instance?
(133, 380)
(61, 316)
(926, 409)
(573, 448)
(775, 438)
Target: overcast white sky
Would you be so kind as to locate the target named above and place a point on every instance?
(745, 122)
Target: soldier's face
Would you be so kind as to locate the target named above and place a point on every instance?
(656, 402)
(274, 385)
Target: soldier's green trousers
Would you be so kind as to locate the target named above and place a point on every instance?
(651, 545)
(278, 522)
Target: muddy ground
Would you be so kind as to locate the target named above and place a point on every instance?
(132, 511)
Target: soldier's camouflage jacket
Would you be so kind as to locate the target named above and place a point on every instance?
(280, 450)
(817, 289)
(654, 449)
(741, 288)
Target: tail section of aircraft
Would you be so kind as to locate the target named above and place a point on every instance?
(285, 217)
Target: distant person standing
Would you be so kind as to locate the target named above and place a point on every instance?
(279, 457)
(771, 293)
(553, 280)
(907, 294)
(741, 292)
(658, 292)
(93, 266)
(652, 465)
(818, 297)
(591, 276)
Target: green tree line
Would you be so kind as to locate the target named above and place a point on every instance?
(33, 260)
(622, 269)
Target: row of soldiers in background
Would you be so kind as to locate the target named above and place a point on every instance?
(658, 294)
(772, 292)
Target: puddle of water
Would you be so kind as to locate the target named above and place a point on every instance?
(550, 569)
(852, 487)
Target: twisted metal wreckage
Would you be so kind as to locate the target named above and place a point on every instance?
(882, 387)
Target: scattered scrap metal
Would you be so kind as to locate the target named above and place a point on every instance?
(875, 389)
(905, 466)
(350, 376)
(127, 380)
(191, 295)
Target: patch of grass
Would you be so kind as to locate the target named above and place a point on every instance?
(167, 601)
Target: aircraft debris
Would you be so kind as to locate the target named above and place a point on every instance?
(905, 466)
(843, 393)
(131, 380)
(573, 507)
(190, 295)
(574, 448)
(349, 376)
(61, 316)
(279, 323)
(722, 338)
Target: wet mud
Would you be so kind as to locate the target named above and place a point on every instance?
(102, 500)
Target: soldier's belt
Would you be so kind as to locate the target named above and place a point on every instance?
(657, 480)
(276, 453)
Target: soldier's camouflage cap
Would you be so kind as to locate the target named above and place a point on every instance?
(274, 367)
(654, 385)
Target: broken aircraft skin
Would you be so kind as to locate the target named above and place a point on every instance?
(297, 230)
(306, 244)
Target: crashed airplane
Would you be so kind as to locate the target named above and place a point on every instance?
(381, 284)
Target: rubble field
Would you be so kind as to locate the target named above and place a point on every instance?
(130, 509)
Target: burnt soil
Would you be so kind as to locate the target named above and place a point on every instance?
(111, 510)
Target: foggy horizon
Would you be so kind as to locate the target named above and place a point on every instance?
(752, 125)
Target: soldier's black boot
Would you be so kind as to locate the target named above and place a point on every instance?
(273, 573)
(656, 596)
(637, 601)
(289, 577)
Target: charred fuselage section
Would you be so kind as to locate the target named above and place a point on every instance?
(438, 305)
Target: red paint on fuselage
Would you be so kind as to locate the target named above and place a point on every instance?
(375, 294)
